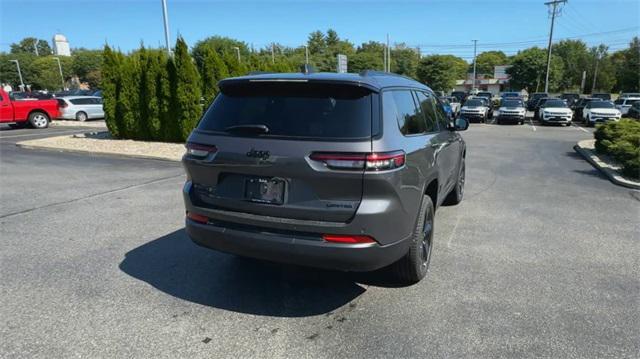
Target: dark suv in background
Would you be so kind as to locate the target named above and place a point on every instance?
(338, 171)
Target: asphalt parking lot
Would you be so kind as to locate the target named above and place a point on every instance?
(541, 259)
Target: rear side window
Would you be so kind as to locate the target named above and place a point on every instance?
(300, 110)
(81, 101)
(428, 111)
(399, 104)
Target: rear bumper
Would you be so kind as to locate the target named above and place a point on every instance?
(290, 249)
(298, 241)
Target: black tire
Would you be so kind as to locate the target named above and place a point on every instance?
(39, 119)
(413, 266)
(455, 196)
(81, 116)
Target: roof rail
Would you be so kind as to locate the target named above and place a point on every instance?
(383, 73)
(261, 73)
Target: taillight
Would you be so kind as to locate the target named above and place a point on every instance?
(197, 217)
(199, 150)
(348, 239)
(358, 161)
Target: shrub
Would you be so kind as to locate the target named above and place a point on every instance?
(621, 141)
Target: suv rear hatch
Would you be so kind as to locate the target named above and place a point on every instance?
(287, 149)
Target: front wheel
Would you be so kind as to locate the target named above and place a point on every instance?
(39, 119)
(413, 266)
(455, 196)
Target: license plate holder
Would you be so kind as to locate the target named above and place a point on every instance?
(264, 190)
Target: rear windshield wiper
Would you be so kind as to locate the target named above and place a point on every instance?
(257, 129)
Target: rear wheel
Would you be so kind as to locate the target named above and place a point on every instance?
(39, 119)
(81, 116)
(414, 265)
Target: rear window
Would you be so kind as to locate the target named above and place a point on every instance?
(300, 110)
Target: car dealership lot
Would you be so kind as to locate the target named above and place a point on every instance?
(539, 260)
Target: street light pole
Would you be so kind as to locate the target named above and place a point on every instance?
(60, 69)
(35, 46)
(273, 54)
(306, 54)
(19, 73)
(165, 15)
(238, 52)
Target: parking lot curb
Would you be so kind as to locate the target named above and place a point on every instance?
(585, 148)
(32, 144)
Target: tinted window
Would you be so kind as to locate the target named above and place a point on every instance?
(554, 103)
(512, 103)
(428, 111)
(81, 101)
(409, 119)
(293, 110)
(443, 118)
(474, 103)
(619, 101)
(600, 104)
(631, 102)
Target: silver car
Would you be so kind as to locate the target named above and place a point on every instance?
(80, 108)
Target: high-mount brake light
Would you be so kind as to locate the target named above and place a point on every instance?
(199, 150)
(360, 161)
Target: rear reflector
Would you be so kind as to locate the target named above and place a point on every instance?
(197, 218)
(358, 161)
(199, 150)
(340, 238)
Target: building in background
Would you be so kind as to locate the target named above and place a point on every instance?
(61, 45)
(495, 84)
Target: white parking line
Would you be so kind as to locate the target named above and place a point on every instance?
(532, 125)
(580, 128)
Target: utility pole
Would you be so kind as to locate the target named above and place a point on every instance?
(554, 11)
(600, 51)
(60, 69)
(273, 54)
(238, 52)
(388, 62)
(584, 81)
(165, 15)
(306, 54)
(19, 73)
(473, 81)
(35, 46)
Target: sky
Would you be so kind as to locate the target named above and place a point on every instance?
(436, 26)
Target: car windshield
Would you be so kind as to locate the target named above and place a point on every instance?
(291, 110)
(539, 95)
(474, 103)
(484, 94)
(510, 94)
(554, 103)
(512, 103)
(601, 104)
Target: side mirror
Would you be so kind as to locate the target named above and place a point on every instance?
(461, 124)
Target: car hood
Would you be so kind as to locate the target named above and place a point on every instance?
(557, 109)
(611, 111)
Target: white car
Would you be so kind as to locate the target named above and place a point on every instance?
(474, 109)
(454, 103)
(555, 111)
(511, 110)
(80, 108)
(600, 111)
(624, 104)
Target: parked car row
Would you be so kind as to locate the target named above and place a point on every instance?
(38, 112)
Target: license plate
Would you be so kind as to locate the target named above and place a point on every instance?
(264, 190)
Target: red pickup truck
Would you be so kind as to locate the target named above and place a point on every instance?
(37, 113)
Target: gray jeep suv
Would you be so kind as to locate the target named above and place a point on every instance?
(338, 171)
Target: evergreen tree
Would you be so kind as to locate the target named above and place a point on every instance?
(110, 80)
(187, 92)
(234, 67)
(213, 70)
